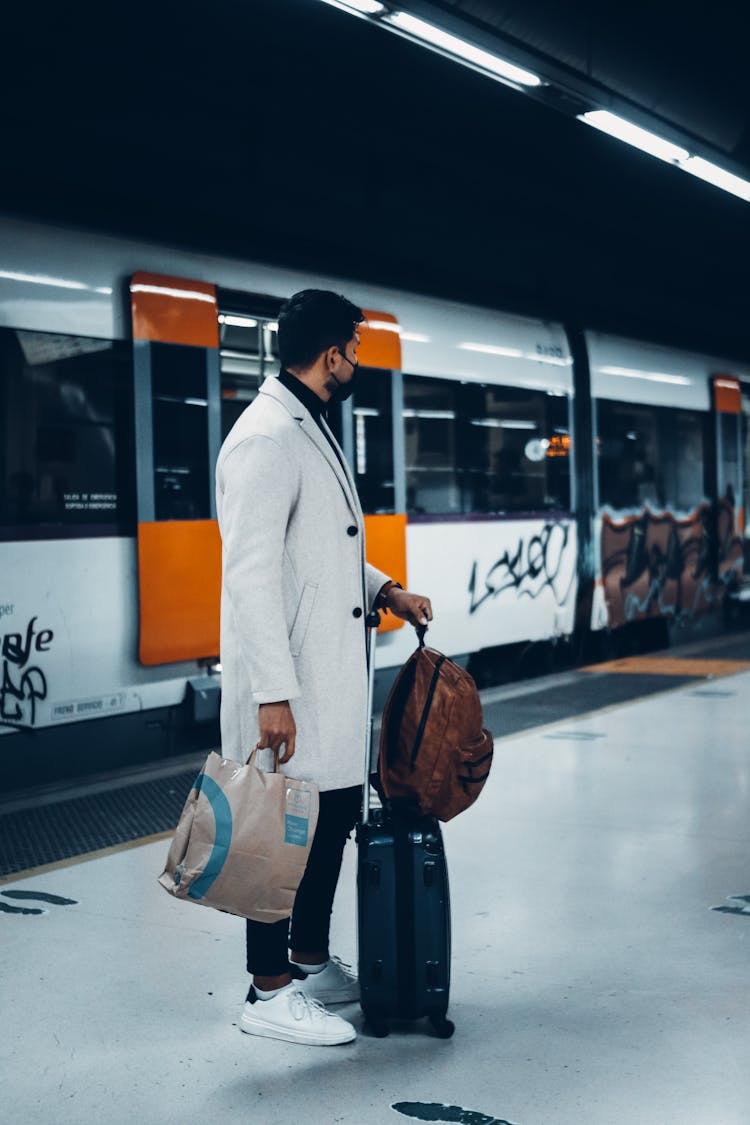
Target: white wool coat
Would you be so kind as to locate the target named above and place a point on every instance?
(295, 589)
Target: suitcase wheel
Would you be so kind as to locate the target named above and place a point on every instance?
(442, 1027)
(377, 1022)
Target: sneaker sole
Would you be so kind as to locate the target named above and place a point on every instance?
(271, 1031)
(334, 997)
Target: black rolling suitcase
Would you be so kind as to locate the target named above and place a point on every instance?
(403, 908)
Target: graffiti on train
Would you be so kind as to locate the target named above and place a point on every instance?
(23, 682)
(660, 565)
(533, 564)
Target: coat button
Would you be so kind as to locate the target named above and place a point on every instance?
(351, 530)
(356, 612)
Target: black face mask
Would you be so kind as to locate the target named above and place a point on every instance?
(345, 391)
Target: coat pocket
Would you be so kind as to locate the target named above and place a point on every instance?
(302, 618)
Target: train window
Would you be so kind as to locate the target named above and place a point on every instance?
(248, 353)
(650, 455)
(180, 404)
(472, 448)
(745, 463)
(729, 457)
(514, 449)
(373, 440)
(430, 424)
(66, 436)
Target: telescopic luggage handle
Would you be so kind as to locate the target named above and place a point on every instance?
(371, 629)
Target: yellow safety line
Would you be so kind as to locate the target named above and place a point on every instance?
(670, 666)
(74, 859)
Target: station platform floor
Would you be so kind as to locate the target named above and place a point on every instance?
(601, 939)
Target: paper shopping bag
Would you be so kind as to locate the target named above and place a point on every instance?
(242, 840)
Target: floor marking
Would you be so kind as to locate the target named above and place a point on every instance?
(41, 896)
(713, 692)
(606, 710)
(670, 666)
(576, 735)
(71, 861)
(6, 908)
(434, 1111)
(744, 909)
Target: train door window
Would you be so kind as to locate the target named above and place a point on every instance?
(430, 424)
(746, 471)
(248, 353)
(650, 455)
(373, 440)
(180, 403)
(729, 457)
(514, 449)
(66, 436)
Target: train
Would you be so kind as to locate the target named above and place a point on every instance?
(545, 484)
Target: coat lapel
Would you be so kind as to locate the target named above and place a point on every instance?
(310, 428)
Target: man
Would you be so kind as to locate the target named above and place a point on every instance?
(295, 592)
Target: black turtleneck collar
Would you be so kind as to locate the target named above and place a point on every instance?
(315, 405)
(306, 396)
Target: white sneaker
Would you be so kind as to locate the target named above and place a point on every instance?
(336, 984)
(295, 1017)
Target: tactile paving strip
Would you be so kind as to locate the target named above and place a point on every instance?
(588, 693)
(58, 830)
(52, 832)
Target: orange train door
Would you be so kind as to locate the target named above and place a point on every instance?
(177, 381)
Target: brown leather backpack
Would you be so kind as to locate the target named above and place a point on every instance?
(433, 748)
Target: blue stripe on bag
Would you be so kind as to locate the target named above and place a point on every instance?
(222, 836)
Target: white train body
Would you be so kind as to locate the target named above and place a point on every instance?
(70, 606)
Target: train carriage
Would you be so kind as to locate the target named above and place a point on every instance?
(538, 482)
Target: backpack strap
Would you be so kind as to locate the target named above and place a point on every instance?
(426, 710)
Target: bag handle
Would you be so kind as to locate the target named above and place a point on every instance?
(275, 753)
(421, 630)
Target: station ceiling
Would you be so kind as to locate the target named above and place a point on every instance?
(684, 63)
(287, 130)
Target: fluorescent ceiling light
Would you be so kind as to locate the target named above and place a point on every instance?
(504, 424)
(363, 7)
(366, 412)
(415, 338)
(461, 49)
(272, 326)
(634, 135)
(444, 414)
(230, 353)
(651, 376)
(491, 349)
(238, 321)
(717, 176)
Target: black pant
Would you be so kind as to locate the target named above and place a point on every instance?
(268, 943)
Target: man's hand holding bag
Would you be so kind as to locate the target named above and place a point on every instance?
(242, 840)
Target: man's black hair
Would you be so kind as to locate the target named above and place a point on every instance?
(312, 321)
